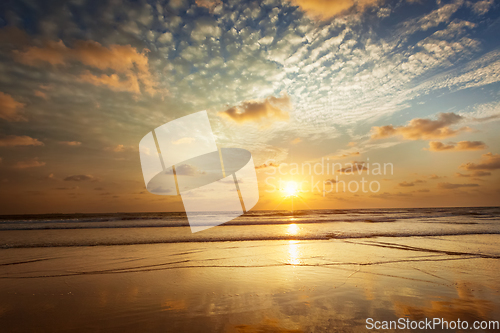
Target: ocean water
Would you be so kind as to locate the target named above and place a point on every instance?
(56, 230)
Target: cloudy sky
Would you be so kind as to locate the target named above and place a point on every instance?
(408, 82)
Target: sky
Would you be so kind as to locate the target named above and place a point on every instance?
(345, 84)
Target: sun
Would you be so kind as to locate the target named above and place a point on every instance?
(291, 189)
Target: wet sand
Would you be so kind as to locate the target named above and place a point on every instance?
(251, 286)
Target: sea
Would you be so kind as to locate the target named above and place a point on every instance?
(63, 230)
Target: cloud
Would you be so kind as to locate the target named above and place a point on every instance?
(434, 176)
(413, 183)
(70, 143)
(450, 186)
(123, 59)
(205, 29)
(358, 167)
(33, 163)
(267, 165)
(165, 38)
(481, 7)
(296, 140)
(10, 108)
(325, 9)
(346, 155)
(113, 82)
(211, 5)
(474, 174)
(79, 178)
(67, 188)
(120, 148)
(41, 94)
(186, 170)
(462, 145)
(185, 140)
(331, 181)
(489, 161)
(422, 129)
(481, 174)
(14, 140)
(387, 195)
(255, 111)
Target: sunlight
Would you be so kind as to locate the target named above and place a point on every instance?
(293, 253)
(291, 189)
(293, 229)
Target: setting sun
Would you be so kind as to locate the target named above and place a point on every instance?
(291, 189)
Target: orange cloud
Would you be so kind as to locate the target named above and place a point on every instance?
(450, 186)
(434, 176)
(14, 140)
(113, 82)
(474, 174)
(489, 161)
(209, 4)
(33, 163)
(40, 94)
(422, 129)
(10, 108)
(185, 140)
(270, 108)
(462, 145)
(267, 165)
(79, 178)
(409, 184)
(121, 149)
(296, 140)
(70, 143)
(123, 59)
(355, 167)
(346, 155)
(325, 9)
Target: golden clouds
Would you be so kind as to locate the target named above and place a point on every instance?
(271, 108)
(325, 9)
(131, 67)
(79, 178)
(489, 161)
(450, 186)
(33, 163)
(113, 82)
(422, 129)
(70, 143)
(14, 140)
(209, 4)
(10, 109)
(267, 165)
(462, 145)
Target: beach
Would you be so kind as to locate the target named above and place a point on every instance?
(268, 271)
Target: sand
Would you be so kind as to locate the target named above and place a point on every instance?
(251, 286)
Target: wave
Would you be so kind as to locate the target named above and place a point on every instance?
(230, 238)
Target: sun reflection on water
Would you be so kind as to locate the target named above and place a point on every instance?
(293, 229)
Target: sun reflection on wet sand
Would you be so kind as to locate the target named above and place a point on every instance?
(271, 286)
(293, 253)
